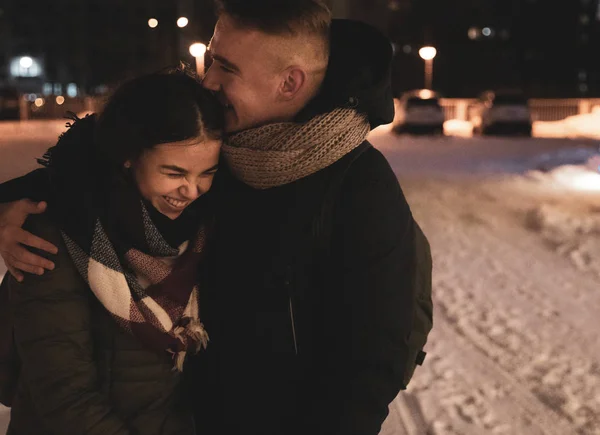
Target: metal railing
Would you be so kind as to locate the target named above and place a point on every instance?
(454, 108)
(541, 109)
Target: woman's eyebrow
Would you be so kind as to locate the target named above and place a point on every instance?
(173, 168)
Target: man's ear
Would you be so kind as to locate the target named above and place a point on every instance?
(294, 78)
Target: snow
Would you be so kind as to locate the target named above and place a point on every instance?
(516, 251)
(22, 142)
(514, 226)
(515, 348)
(584, 125)
(456, 127)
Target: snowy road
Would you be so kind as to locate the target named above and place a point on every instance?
(515, 348)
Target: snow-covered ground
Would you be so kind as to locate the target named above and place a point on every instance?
(515, 348)
(577, 126)
(515, 236)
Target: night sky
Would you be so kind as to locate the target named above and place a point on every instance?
(546, 48)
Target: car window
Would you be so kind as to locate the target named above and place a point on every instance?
(420, 102)
(513, 100)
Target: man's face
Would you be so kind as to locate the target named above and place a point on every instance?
(245, 76)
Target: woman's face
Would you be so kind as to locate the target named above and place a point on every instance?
(173, 175)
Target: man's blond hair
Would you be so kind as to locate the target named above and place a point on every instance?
(306, 19)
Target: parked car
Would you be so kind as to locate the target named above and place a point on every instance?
(419, 111)
(498, 113)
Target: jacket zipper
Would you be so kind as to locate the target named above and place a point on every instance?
(292, 321)
(293, 325)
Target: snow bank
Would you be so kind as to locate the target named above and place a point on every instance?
(584, 125)
(456, 127)
(573, 232)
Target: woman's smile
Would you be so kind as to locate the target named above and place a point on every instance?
(176, 203)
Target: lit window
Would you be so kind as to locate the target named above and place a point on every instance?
(72, 90)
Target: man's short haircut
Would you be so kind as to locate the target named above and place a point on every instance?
(280, 17)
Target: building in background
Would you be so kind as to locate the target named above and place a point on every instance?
(559, 42)
(546, 48)
(87, 46)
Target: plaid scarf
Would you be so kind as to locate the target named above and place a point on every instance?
(149, 287)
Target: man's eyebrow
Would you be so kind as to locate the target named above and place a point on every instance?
(223, 60)
(173, 168)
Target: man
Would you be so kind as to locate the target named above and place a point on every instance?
(310, 321)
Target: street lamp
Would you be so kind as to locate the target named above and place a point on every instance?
(26, 62)
(428, 54)
(198, 49)
(182, 22)
(152, 23)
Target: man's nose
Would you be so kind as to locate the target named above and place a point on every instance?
(210, 80)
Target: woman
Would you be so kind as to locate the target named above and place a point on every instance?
(102, 338)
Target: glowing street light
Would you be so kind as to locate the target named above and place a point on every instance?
(428, 54)
(152, 23)
(198, 49)
(182, 22)
(60, 100)
(26, 62)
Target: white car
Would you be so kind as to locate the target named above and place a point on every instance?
(419, 111)
(496, 113)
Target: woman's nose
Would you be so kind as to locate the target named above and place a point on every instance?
(191, 191)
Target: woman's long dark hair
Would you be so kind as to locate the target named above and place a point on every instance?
(162, 107)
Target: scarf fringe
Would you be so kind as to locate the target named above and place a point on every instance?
(194, 331)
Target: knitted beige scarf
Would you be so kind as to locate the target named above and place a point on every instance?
(281, 153)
